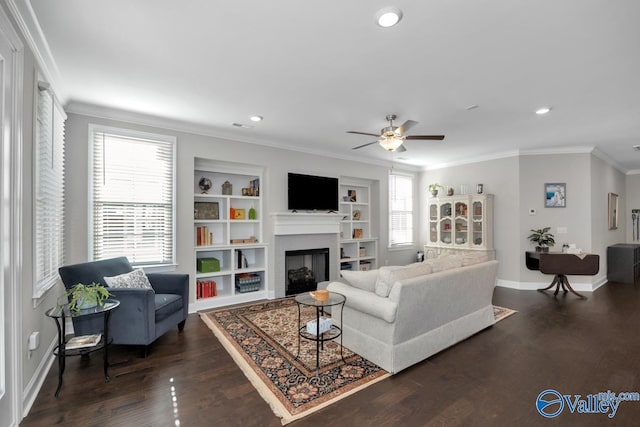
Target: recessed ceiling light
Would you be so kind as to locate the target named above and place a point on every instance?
(543, 110)
(472, 107)
(241, 125)
(256, 118)
(636, 147)
(388, 16)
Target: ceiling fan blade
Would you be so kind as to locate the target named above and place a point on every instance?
(406, 126)
(364, 145)
(429, 137)
(401, 149)
(364, 133)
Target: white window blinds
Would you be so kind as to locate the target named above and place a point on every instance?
(400, 210)
(48, 191)
(133, 196)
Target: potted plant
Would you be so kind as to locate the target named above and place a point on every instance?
(434, 189)
(542, 238)
(86, 296)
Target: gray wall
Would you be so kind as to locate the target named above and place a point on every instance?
(276, 163)
(517, 183)
(500, 177)
(631, 201)
(31, 311)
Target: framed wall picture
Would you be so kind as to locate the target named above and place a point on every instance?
(206, 210)
(555, 195)
(352, 195)
(613, 211)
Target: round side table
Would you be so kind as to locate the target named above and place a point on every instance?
(62, 312)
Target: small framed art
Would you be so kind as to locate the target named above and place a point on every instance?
(555, 195)
(206, 210)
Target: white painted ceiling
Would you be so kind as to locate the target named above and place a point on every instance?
(316, 69)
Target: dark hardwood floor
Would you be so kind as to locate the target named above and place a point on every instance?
(572, 345)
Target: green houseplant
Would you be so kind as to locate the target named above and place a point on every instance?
(86, 296)
(542, 238)
(434, 189)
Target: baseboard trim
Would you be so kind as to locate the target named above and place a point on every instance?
(532, 286)
(35, 383)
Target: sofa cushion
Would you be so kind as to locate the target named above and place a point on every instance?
(366, 302)
(387, 276)
(134, 279)
(471, 259)
(166, 305)
(445, 263)
(365, 280)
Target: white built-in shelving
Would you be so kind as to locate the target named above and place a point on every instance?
(228, 227)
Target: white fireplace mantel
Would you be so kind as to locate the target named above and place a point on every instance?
(296, 223)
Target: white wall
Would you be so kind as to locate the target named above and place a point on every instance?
(276, 162)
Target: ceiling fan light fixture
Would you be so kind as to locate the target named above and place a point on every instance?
(391, 144)
(388, 16)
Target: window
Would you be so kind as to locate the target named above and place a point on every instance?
(48, 192)
(132, 206)
(400, 210)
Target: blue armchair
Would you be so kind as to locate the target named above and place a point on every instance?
(143, 314)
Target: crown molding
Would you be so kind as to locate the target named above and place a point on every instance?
(25, 17)
(471, 160)
(605, 158)
(538, 152)
(107, 113)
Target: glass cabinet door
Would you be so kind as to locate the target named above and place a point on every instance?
(462, 223)
(446, 223)
(477, 217)
(433, 223)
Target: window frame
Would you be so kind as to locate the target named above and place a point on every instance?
(131, 133)
(405, 245)
(43, 281)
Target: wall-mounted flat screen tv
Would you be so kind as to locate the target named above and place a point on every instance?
(312, 193)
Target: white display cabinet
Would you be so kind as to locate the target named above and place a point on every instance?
(463, 222)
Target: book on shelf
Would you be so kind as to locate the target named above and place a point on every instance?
(203, 236)
(83, 341)
(206, 289)
(241, 261)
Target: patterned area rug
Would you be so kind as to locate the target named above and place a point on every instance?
(502, 313)
(262, 338)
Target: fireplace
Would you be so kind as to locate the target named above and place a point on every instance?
(305, 268)
(304, 231)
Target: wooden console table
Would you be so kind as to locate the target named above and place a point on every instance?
(562, 264)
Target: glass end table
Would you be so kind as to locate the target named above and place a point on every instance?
(62, 312)
(306, 299)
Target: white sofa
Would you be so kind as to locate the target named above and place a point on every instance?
(398, 316)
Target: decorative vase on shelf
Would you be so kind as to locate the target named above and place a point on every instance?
(227, 188)
(434, 193)
(204, 184)
(450, 191)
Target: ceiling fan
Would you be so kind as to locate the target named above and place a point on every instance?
(392, 137)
